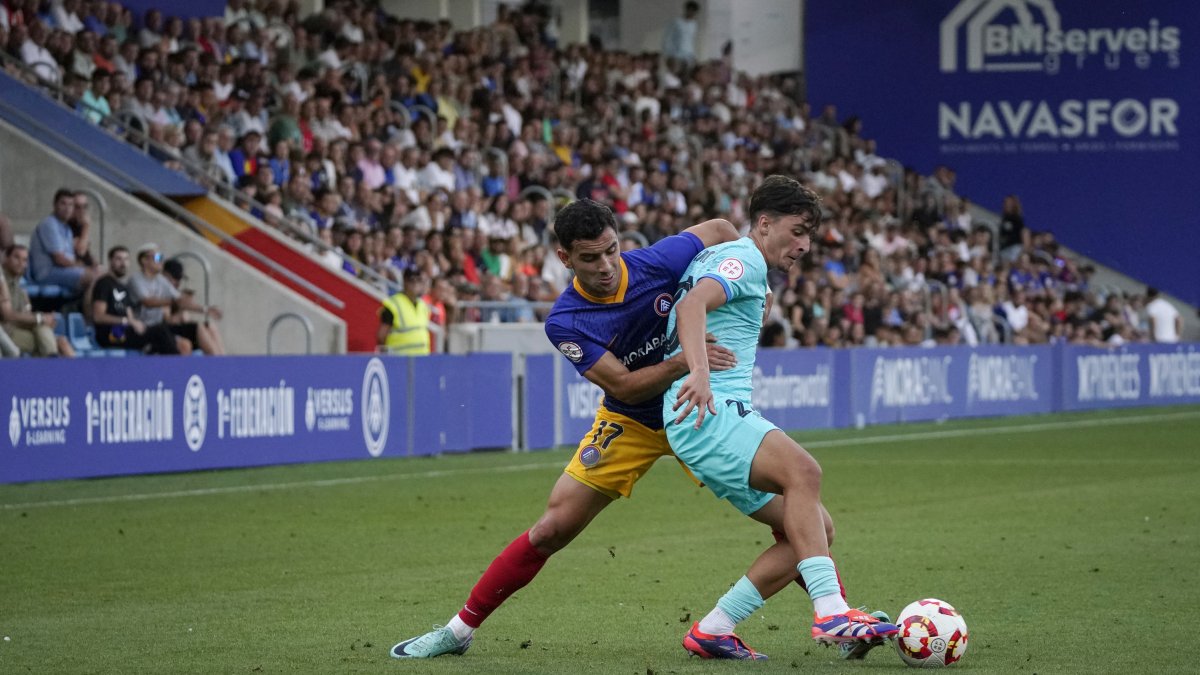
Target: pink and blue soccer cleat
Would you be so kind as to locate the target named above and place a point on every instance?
(858, 650)
(852, 626)
(718, 646)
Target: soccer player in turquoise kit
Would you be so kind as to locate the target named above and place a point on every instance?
(728, 445)
(611, 325)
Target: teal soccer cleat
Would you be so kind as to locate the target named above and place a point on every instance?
(436, 642)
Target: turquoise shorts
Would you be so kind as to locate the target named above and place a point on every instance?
(720, 452)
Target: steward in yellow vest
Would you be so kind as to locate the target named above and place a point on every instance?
(404, 319)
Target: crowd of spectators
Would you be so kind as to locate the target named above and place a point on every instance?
(393, 145)
(147, 310)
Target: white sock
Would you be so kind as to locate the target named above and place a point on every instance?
(717, 623)
(829, 605)
(460, 629)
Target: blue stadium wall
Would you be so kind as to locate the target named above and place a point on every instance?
(1086, 110)
(100, 417)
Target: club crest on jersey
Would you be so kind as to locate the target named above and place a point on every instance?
(662, 304)
(589, 456)
(731, 269)
(571, 351)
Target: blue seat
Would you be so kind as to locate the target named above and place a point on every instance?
(60, 324)
(80, 335)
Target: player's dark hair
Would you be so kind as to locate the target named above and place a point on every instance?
(784, 196)
(582, 219)
(63, 192)
(115, 250)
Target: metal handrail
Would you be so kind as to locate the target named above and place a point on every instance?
(305, 323)
(102, 209)
(145, 143)
(364, 77)
(177, 211)
(429, 114)
(405, 113)
(189, 255)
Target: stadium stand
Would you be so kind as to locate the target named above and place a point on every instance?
(384, 144)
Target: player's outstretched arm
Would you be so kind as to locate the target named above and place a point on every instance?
(691, 318)
(715, 231)
(643, 384)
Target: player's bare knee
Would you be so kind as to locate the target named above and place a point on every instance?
(553, 531)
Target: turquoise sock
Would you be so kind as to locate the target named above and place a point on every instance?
(741, 601)
(820, 577)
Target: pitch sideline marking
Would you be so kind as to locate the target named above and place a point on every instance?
(331, 482)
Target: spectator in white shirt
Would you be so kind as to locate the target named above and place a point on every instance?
(36, 56)
(1166, 324)
(1017, 315)
(679, 39)
(438, 173)
(65, 16)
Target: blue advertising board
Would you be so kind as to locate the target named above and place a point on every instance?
(101, 417)
(794, 388)
(578, 399)
(538, 398)
(104, 417)
(1085, 110)
(1138, 375)
(906, 385)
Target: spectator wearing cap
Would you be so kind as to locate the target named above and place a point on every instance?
(157, 300)
(252, 116)
(30, 332)
(52, 255)
(404, 318)
(209, 337)
(113, 317)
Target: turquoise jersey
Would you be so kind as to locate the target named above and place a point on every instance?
(742, 271)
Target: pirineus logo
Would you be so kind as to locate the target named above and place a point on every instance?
(1029, 36)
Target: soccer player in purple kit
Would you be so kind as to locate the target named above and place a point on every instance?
(611, 325)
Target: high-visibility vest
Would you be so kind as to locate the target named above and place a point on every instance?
(410, 326)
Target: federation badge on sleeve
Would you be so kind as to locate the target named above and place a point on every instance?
(731, 269)
(571, 351)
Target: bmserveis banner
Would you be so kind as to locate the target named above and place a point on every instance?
(1086, 110)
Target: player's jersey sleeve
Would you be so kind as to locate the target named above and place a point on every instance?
(740, 270)
(582, 352)
(670, 255)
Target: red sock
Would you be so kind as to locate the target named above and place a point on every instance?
(515, 567)
(779, 536)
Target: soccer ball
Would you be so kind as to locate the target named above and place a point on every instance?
(932, 634)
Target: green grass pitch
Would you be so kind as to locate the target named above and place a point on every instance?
(1070, 543)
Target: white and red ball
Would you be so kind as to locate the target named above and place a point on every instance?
(932, 634)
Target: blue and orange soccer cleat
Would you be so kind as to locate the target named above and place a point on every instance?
(858, 649)
(852, 626)
(718, 646)
(436, 642)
